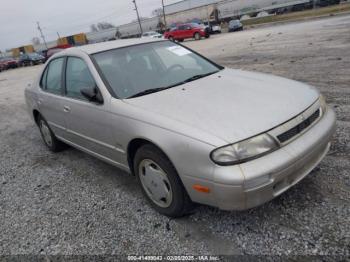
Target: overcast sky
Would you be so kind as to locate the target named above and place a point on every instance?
(18, 17)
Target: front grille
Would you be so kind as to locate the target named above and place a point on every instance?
(299, 128)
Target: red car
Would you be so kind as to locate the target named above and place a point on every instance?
(186, 31)
(7, 63)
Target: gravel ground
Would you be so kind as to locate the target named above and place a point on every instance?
(71, 203)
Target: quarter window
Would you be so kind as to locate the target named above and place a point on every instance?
(78, 77)
(54, 76)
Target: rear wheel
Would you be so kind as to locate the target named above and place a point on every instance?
(160, 182)
(197, 36)
(49, 137)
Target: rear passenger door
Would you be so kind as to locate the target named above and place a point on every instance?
(181, 32)
(50, 97)
(88, 123)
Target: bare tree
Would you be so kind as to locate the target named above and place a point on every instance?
(104, 26)
(101, 26)
(36, 41)
(93, 28)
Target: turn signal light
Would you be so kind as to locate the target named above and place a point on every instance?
(202, 189)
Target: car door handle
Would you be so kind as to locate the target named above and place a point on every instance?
(66, 109)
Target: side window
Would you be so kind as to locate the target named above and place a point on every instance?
(78, 77)
(43, 79)
(54, 76)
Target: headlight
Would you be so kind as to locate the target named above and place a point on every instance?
(244, 151)
(323, 104)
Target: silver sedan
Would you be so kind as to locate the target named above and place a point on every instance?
(190, 130)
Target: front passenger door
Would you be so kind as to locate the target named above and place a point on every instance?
(88, 123)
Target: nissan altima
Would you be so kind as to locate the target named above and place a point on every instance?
(190, 130)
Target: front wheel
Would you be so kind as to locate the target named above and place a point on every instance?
(160, 182)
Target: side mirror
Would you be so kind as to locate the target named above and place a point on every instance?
(92, 94)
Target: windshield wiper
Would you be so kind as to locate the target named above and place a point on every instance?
(154, 90)
(195, 77)
(149, 91)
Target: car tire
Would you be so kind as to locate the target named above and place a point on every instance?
(49, 137)
(181, 40)
(154, 171)
(197, 36)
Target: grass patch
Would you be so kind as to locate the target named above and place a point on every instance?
(299, 15)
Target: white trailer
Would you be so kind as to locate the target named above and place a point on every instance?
(133, 29)
(203, 13)
(187, 5)
(236, 8)
(101, 36)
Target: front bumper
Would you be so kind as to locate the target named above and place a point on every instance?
(38, 62)
(12, 65)
(277, 171)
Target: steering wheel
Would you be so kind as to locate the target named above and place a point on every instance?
(175, 66)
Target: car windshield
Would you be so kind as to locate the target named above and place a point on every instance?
(152, 66)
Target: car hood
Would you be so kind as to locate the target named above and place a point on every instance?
(232, 104)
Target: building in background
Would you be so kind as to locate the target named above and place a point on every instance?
(16, 52)
(183, 12)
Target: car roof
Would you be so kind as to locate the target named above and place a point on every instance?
(100, 47)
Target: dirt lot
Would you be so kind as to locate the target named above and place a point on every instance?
(71, 203)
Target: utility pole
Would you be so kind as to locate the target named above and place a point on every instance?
(164, 15)
(59, 38)
(42, 35)
(138, 16)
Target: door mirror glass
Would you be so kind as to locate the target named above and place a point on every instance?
(92, 94)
